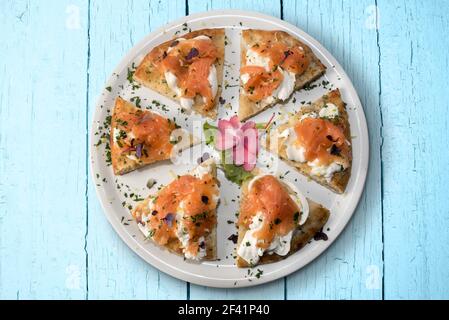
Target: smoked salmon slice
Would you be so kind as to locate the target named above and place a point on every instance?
(261, 83)
(318, 136)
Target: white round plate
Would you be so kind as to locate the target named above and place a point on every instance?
(115, 192)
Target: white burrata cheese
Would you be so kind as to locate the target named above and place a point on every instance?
(287, 86)
(254, 59)
(251, 253)
(172, 82)
(184, 237)
(213, 82)
(326, 171)
(201, 252)
(329, 111)
(312, 114)
(245, 78)
(294, 151)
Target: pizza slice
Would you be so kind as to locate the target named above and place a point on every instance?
(316, 141)
(188, 69)
(275, 221)
(182, 215)
(141, 137)
(273, 65)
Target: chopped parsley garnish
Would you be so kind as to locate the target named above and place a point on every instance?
(150, 234)
(259, 273)
(136, 101)
(296, 217)
(201, 216)
(122, 122)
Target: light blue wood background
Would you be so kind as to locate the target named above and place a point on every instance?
(55, 242)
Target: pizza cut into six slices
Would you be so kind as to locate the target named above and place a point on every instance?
(275, 219)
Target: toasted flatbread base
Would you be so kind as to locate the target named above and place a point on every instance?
(318, 216)
(340, 179)
(152, 78)
(250, 37)
(174, 245)
(122, 164)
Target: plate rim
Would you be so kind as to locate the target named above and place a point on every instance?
(285, 270)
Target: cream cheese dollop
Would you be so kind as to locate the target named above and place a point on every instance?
(329, 111)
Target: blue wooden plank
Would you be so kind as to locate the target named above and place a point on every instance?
(114, 270)
(273, 290)
(44, 256)
(352, 267)
(413, 41)
(42, 149)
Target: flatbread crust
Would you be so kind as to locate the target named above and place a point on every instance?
(174, 245)
(250, 37)
(340, 179)
(318, 216)
(152, 78)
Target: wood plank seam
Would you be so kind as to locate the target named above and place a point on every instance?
(379, 53)
(86, 194)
